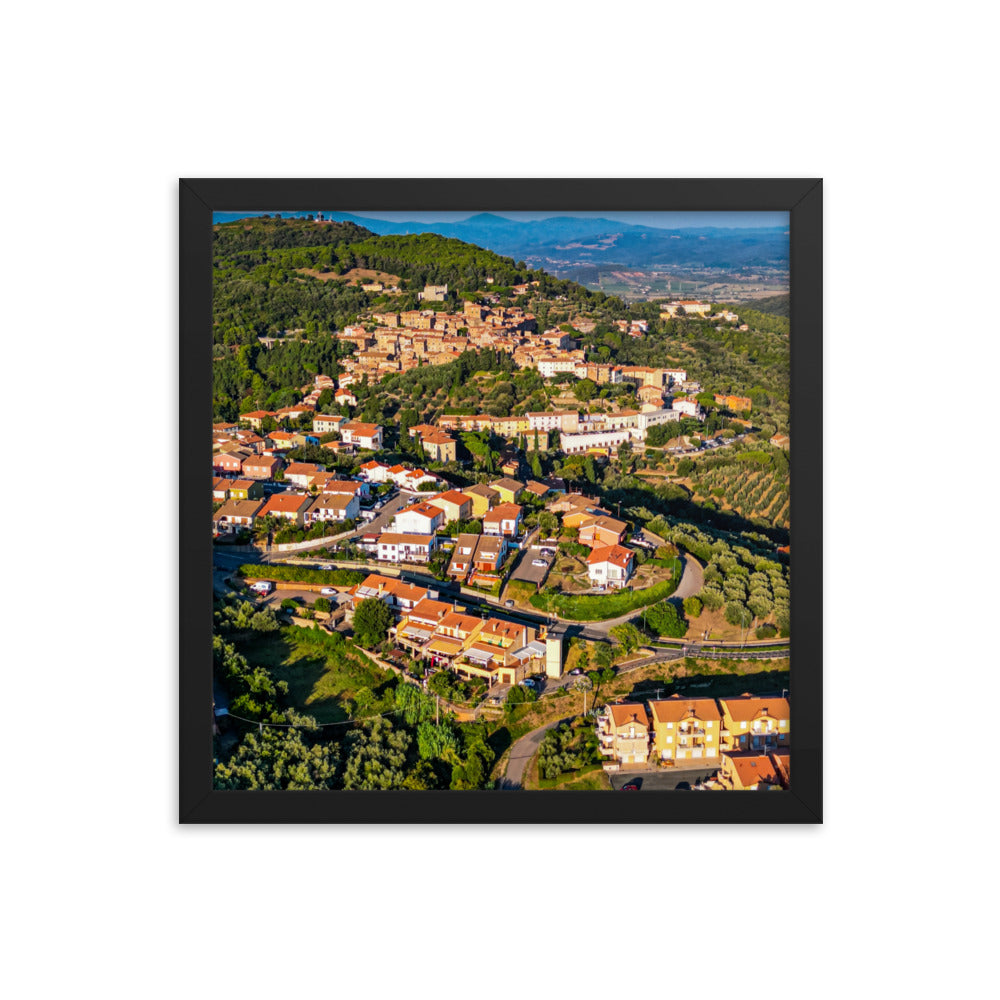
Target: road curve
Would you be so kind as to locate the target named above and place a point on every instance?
(521, 753)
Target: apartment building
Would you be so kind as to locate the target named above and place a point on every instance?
(686, 728)
(401, 547)
(623, 732)
(752, 723)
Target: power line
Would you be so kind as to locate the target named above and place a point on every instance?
(319, 725)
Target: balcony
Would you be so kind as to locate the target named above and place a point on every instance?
(607, 751)
(691, 732)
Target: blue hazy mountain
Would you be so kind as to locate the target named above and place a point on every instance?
(565, 241)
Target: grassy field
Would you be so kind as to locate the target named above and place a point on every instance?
(321, 676)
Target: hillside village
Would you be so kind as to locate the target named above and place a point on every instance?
(467, 529)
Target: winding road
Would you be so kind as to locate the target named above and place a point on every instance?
(521, 753)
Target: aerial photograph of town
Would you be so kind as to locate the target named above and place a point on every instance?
(501, 501)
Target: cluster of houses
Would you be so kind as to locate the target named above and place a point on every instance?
(444, 634)
(749, 736)
(314, 496)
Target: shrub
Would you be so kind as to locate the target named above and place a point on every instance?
(766, 632)
(299, 574)
(692, 607)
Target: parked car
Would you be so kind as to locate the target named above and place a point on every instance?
(328, 591)
(527, 682)
(576, 671)
(327, 566)
(508, 604)
(630, 787)
(538, 562)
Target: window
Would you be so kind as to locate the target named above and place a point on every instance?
(743, 725)
(709, 724)
(670, 725)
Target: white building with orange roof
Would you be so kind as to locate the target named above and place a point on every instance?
(363, 435)
(610, 566)
(375, 472)
(420, 518)
(402, 547)
(396, 593)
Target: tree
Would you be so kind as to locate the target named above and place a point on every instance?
(692, 607)
(663, 619)
(583, 684)
(372, 622)
(376, 757)
(322, 604)
(627, 636)
(283, 759)
(436, 741)
(585, 390)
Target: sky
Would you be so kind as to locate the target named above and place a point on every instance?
(660, 220)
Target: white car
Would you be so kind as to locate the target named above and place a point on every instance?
(328, 591)
(538, 562)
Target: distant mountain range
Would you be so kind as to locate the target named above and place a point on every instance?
(565, 241)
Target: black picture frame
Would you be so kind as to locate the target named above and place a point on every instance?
(199, 198)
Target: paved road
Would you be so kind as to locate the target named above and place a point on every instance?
(662, 779)
(692, 579)
(521, 753)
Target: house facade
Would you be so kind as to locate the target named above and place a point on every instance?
(686, 728)
(504, 519)
(757, 724)
(610, 566)
(363, 435)
(400, 547)
(623, 732)
(421, 519)
(236, 514)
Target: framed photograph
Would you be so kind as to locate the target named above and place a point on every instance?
(502, 501)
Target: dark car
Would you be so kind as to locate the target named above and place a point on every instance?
(630, 787)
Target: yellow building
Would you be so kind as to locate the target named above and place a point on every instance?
(759, 724)
(508, 489)
(685, 728)
(482, 498)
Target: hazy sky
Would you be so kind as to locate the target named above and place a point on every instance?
(660, 220)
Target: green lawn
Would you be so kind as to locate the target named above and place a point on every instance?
(321, 673)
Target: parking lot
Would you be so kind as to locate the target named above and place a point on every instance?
(528, 571)
(663, 779)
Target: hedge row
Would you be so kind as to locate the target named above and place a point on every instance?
(599, 607)
(299, 574)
